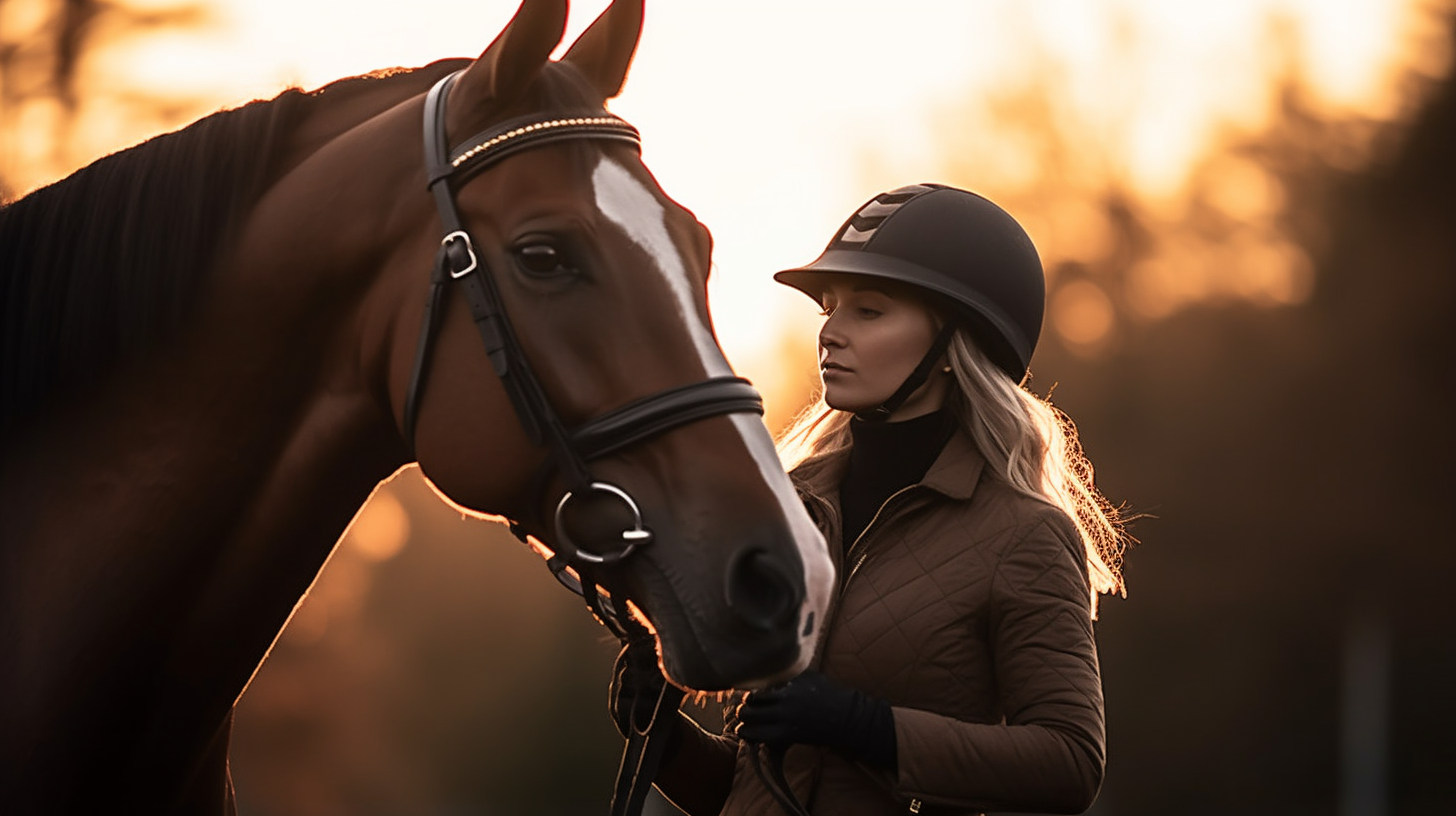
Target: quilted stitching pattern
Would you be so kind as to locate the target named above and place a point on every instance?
(914, 621)
(970, 614)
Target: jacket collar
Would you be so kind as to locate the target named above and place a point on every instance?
(954, 473)
(957, 470)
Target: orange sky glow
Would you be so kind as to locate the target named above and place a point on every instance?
(773, 119)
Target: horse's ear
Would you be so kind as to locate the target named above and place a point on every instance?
(604, 51)
(517, 55)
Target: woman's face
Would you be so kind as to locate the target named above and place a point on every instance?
(875, 332)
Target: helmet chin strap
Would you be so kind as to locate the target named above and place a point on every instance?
(917, 378)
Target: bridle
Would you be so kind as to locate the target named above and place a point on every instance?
(570, 450)
(459, 262)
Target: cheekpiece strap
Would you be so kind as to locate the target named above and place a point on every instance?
(462, 263)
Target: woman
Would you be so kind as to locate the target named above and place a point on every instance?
(958, 671)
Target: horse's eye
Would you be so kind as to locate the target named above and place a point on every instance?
(542, 259)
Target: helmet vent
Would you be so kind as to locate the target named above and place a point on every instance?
(861, 227)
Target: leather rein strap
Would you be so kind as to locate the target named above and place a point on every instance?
(570, 450)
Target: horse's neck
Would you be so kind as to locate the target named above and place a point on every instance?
(156, 540)
(219, 472)
(159, 531)
(254, 432)
(241, 380)
(343, 105)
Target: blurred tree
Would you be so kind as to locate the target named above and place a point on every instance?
(451, 675)
(44, 47)
(1261, 362)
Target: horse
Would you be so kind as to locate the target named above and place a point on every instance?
(218, 343)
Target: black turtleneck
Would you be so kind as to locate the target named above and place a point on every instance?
(885, 457)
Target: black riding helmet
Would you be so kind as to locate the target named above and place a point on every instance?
(970, 254)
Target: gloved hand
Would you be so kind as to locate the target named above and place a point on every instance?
(636, 684)
(811, 709)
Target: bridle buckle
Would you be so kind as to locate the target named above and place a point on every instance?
(445, 243)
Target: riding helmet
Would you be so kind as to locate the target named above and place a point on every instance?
(969, 253)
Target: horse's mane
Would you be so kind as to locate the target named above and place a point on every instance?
(103, 263)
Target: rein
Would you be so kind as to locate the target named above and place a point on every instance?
(570, 450)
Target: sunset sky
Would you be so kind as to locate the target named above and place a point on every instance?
(774, 119)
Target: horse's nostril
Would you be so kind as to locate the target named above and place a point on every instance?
(760, 592)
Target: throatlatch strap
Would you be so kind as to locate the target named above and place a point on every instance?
(433, 310)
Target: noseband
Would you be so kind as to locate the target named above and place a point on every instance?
(459, 262)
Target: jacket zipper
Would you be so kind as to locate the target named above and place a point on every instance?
(915, 804)
(844, 585)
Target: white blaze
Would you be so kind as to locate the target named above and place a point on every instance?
(633, 207)
(818, 569)
(629, 204)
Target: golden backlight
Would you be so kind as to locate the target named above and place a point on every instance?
(1132, 138)
(772, 119)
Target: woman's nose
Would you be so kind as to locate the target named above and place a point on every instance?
(829, 334)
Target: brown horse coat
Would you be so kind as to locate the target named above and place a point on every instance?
(207, 341)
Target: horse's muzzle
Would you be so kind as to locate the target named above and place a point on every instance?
(761, 591)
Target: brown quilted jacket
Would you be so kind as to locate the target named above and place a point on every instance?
(965, 604)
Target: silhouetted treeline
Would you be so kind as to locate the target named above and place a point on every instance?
(1285, 640)
(1286, 647)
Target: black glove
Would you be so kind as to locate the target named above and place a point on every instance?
(636, 685)
(811, 709)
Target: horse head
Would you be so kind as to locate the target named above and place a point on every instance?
(578, 387)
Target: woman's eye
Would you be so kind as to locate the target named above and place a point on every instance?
(867, 312)
(542, 260)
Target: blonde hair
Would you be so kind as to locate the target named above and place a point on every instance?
(1027, 442)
